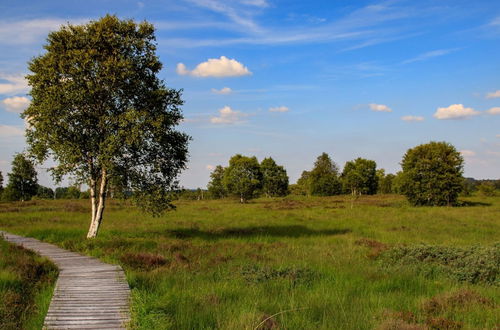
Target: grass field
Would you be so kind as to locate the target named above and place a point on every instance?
(293, 263)
(26, 286)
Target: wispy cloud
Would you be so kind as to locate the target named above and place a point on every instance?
(10, 131)
(222, 91)
(493, 95)
(412, 118)
(279, 109)
(228, 116)
(467, 153)
(428, 55)
(493, 111)
(16, 104)
(13, 84)
(379, 107)
(30, 31)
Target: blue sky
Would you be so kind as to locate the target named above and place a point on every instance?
(291, 79)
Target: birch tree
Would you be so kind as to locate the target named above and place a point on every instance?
(100, 111)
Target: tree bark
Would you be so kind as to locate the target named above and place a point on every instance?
(97, 209)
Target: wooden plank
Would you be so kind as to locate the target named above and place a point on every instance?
(89, 294)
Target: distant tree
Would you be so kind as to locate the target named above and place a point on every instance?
(23, 182)
(385, 182)
(216, 185)
(1, 181)
(274, 178)
(360, 177)
(243, 177)
(432, 174)
(100, 111)
(44, 192)
(303, 186)
(72, 193)
(60, 192)
(487, 188)
(324, 177)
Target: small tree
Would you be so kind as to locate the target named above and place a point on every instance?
(243, 177)
(360, 177)
(23, 182)
(303, 186)
(100, 111)
(432, 174)
(216, 185)
(324, 177)
(385, 182)
(275, 179)
(487, 188)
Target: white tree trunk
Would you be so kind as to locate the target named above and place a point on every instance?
(97, 209)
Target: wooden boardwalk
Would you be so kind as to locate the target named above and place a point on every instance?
(89, 294)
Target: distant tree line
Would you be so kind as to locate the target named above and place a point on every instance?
(431, 175)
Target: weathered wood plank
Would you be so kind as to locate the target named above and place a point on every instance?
(89, 294)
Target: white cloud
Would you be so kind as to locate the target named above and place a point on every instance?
(412, 118)
(215, 67)
(210, 167)
(222, 91)
(498, 136)
(494, 111)
(379, 107)
(467, 153)
(279, 109)
(455, 111)
(16, 104)
(431, 54)
(8, 131)
(14, 84)
(493, 95)
(228, 116)
(256, 3)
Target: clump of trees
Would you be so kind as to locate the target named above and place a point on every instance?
(322, 180)
(245, 178)
(432, 174)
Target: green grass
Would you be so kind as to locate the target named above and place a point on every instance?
(315, 262)
(26, 286)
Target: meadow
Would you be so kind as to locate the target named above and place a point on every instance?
(291, 263)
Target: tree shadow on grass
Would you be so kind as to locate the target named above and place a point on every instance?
(255, 231)
(470, 203)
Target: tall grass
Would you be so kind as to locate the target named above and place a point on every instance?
(294, 263)
(26, 286)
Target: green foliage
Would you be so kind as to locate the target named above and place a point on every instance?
(44, 192)
(22, 180)
(216, 185)
(487, 189)
(274, 178)
(1, 182)
(476, 264)
(243, 177)
(100, 111)
(385, 184)
(432, 174)
(324, 177)
(360, 177)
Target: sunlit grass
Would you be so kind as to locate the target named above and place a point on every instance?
(219, 264)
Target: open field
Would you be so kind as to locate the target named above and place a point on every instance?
(314, 262)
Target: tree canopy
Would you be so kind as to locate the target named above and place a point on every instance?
(432, 174)
(324, 177)
(23, 181)
(243, 177)
(274, 178)
(216, 185)
(100, 111)
(360, 177)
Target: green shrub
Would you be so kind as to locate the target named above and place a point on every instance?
(477, 264)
